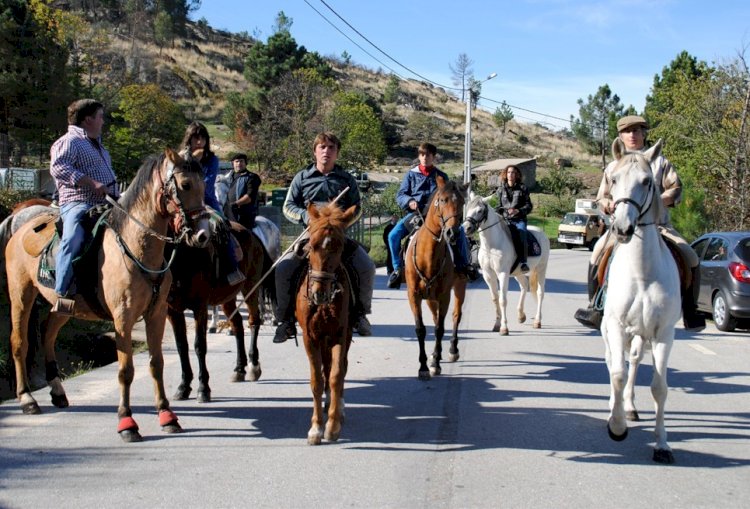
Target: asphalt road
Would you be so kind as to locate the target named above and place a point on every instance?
(518, 421)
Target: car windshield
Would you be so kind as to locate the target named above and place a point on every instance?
(576, 219)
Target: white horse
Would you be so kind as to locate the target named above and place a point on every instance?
(496, 257)
(642, 301)
(268, 233)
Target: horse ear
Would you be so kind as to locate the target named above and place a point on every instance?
(486, 199)
(463, 188)
(654, 151)
(618, 148)
(440, 181)
(349, 214)
(312, 211)
(171, 155)
(472, 195)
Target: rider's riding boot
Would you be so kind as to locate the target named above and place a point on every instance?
(590, 317)
(284, 331)
(471, 272)
(363, 326)
(524, 267)
(394, 280)
(692, 320)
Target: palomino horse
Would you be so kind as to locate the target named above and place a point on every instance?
(132, 281)
(643, 288)
(323, 311)
(196, 286)
(430, 275)
(497, 257)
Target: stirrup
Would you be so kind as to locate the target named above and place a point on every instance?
(64, 306)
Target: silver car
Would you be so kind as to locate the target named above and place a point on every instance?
(725, 277)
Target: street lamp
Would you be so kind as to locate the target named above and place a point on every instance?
(467, 137)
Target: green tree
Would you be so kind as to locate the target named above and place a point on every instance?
(596, 126)
(659, 101)
(392, 90)
(146, 122)
(266, 63)
(35, 85)
(503, 114)
(360, 131)
(163, 30)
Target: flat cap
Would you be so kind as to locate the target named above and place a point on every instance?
(630, 121)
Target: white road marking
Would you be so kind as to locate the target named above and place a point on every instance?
(702, 349)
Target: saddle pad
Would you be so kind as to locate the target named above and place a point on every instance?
(40, 234)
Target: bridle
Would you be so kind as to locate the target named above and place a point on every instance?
(644, 207)
(438, 237)
(329, 281)
(482, 218)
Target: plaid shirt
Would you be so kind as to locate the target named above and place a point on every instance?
(74, 156)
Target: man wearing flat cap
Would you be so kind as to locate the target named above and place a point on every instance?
(632, 131)
(242, 200)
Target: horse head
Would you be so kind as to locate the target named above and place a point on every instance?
(327, 238)
(446, 209)
(634, 193)
(181, 192)
(477, 211)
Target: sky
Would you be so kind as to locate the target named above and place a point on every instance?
(547, 54)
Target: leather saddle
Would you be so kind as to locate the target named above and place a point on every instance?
(41, 234)
(683, 268)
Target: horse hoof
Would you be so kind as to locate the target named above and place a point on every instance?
(435, 370)
(255, 373)
(453, 357)
(237, 376)
(424, 375)
(182, 393)
(537, 325)
(332, 437)
(204, 396)
(632, 415)
(31, 408)
(504, 331)
(172, 427)
(663, 456)
(521, 318)
(314, 438)
(60, 401)
(617, 438)
(496, 328)
(130, 435)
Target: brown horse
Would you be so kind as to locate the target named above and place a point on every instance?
(132, 280)
(322, 310)
(430, 275)
(195, 287)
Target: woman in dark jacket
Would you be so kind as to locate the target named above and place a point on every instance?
(515, 205)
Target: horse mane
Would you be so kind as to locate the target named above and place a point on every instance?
(329, 216)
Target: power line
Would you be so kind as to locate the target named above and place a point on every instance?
(567, 121)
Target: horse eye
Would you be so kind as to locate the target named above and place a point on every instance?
(187, 186)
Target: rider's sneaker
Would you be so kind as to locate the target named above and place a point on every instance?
(524, 268)
(363, 326)
(589, 317)
(284, 331)
(235, 277)
(394, 280)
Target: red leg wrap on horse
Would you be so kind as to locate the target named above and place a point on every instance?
(127, 423)
(167, 417)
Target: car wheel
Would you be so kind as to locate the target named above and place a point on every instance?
(723, 320)
(568, 246)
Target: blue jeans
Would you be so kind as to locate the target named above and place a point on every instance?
(71, 242)
(523, 234)
(460, 250)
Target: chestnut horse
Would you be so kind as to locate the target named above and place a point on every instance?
(195, 287)
(323, 311)
(430, 274)
(132, 281)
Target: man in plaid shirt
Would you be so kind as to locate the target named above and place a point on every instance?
(83, 174)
